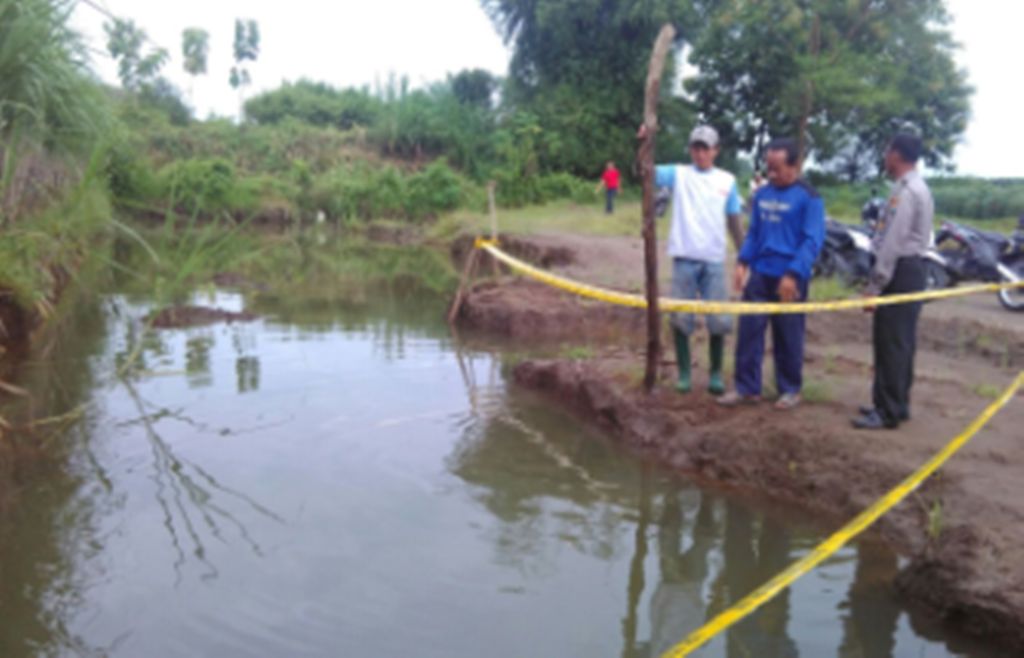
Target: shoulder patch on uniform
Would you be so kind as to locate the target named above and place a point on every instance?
(802, 182)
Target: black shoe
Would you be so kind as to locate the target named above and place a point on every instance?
(872, 421)
(864, 411)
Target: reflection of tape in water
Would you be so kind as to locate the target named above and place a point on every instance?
(699, 307)
(562, 460)
(766, 592)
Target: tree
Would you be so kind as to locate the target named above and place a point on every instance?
(840, 75)
(195, 48)
(125, 42)
(474, 87)
(579, 68)
(246, 49)
(165, 98)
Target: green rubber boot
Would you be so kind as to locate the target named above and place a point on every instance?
(716, 349)
(683, 361)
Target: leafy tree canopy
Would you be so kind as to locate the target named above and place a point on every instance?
(579, 69)
(840, 75)
(195, 48)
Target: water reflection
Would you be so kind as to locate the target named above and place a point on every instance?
(691, 553)
(188, 496)
(636, 568)
(869, 627)
(197, 361)
(248, 370)
(677, 605)
(750, 560)
(687, 535)
(39, 545)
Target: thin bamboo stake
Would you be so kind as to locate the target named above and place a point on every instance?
(467, 274)
(493, 209)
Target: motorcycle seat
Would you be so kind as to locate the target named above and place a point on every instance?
(998, 239)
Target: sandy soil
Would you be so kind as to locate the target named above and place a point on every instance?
(970, 572)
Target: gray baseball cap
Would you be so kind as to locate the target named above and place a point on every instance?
(704, 135)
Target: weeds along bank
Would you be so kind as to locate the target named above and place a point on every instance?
(294, 173)
(53, 203)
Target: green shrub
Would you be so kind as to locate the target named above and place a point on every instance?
(204, 186)
(433, 190)
(349, 193)
(265, 195)
(363, 193)
(565, 186)
(316, 103)
(515, 191)
(130, 177)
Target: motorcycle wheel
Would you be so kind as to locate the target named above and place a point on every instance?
(935, 276)
(825, 266)
(1013, 298)
(846, 271)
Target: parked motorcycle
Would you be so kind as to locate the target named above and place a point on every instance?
(846, 253)
(963, 253)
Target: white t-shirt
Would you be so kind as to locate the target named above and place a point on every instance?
(701, 201)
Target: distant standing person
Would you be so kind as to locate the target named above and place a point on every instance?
(787, 229)
(705, 201)
(902, 236)
(611, 183)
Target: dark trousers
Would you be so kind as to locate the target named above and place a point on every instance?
(787, 340)
(895, 340)
(609, 200)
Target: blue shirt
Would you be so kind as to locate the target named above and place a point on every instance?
(665, 176)
(787, 229)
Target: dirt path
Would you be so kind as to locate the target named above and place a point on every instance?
(963, 529)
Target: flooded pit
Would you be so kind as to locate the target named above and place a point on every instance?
(343, 477)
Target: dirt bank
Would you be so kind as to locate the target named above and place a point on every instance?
(964, 558)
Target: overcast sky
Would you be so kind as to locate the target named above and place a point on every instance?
(358, 43)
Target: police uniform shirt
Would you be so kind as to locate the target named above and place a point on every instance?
(905, 228)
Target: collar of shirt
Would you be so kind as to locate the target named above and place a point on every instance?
(909, 177)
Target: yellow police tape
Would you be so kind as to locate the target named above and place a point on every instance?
(824, 550)
(700, 307)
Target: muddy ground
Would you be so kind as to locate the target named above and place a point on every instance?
(963, 530)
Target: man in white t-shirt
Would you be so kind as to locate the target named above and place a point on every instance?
(705, 201)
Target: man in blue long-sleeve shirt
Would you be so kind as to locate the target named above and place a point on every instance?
(787, 228)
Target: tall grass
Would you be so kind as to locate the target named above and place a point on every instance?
(46, 95)
(38, 249)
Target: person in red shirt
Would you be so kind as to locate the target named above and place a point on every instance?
(610, 180)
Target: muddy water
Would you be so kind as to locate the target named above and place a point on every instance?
(343, 478)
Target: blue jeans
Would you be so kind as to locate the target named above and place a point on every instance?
(787, 340)
(691, 278)
(609, 200)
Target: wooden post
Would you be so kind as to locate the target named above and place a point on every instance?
(645, 165)
(492, 207)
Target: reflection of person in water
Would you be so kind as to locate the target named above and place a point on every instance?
(763, 634)
(677, 605)
(870, 628)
